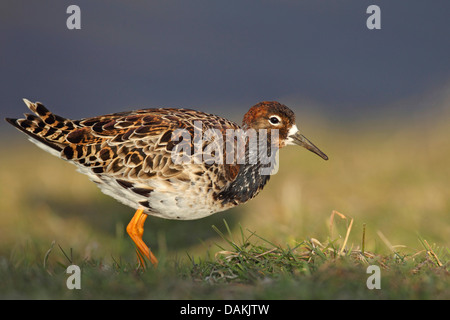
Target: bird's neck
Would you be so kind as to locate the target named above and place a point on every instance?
(253, 175)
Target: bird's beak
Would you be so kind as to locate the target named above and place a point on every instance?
(299, 139)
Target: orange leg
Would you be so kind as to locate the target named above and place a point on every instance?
(135, 230)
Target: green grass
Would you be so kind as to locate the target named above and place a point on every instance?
(249, 267)
(381, 199)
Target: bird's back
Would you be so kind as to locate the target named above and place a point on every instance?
(130, 156)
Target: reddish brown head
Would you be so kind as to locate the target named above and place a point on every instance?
(274, 115)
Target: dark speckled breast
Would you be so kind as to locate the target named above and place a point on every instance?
(248, 183)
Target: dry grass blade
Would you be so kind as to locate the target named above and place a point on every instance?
(333, 213)
(346, 237)
(228, 254)
(390, 246)
(264, 253)
(386, 241)
(430, 252)
(349, 228)
(47, 254)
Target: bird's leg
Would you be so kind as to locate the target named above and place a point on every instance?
(135, 230)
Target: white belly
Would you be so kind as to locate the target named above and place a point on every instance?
(178, 201)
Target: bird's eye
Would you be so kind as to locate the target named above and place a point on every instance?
(274, 120)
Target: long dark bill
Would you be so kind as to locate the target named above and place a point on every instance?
(301, 140)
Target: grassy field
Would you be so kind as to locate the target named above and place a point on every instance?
(382, 199)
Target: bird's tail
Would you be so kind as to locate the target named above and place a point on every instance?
(44, 128)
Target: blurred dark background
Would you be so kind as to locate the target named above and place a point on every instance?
(223, 56)
(318, 57)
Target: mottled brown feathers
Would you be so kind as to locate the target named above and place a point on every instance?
(129, 156)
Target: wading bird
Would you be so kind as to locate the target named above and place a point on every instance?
(130, 156)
